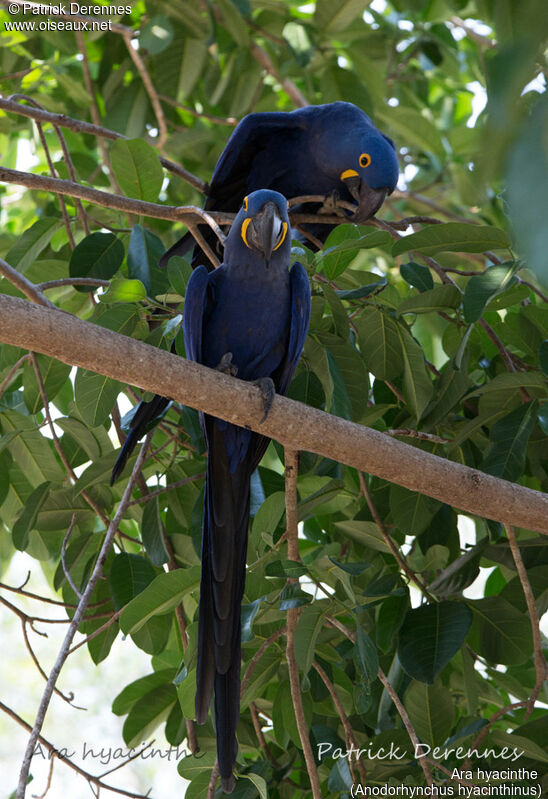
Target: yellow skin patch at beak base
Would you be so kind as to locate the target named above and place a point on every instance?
(243, 232)
(349, 173)
(281, 241)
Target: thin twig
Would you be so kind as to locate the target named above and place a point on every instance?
(80, 126)
(75, 623)
(291, 473)
(149, 87)
(257, 656)
(57, 444)
(90, 778)
(64, 558)
(170, 487)
(260, 735)
(540, 662)
(12, 372)
(73, 281)
(262, 57)
(213, 781)
(24, 285)
(118, 202)
(406, 722)
(400, 560)
(348, 731)
(230, 121)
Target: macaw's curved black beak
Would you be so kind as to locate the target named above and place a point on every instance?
(369, 200)
(266, 230)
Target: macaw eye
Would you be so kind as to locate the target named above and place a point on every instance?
(245, 203)
(365, 160)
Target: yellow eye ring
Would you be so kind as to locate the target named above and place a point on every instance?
(245, 203)
(365, 160)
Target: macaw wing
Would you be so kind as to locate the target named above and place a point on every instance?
(300, 317)
(228, 182)
(196, 300)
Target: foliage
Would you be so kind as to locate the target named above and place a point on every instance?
(440, 335)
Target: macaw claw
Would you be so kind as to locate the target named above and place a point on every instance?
(268, 392)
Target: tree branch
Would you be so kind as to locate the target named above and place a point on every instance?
(79, 126)
(75, 623)
(540, 662)
(97, 781)
(79, 343)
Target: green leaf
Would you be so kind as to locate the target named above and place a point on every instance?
(543, 356)
(144, 252)
(431, 711)
(509, 437)
(285, 568)
(441, 629)
(123, 290)
(129, 575)
(156, 35)
(234, 22)
(365, 533)
(248, 614)
(412, 512)
(308, 628)
(152, 533)
(459, 574)
(137, 169)
(259, 783)
(413, 128)
(361, 291)
(500, 632)
(147, 713)
(343, 244)
(417, 385)
(95, 396)
(480, 289)
(333, 16)
(54, 376)
(30, 244)
(417, 275)
(365, 655)
(27, 520)
(292, 596)
(179, 271)
(125, 700)
(380, 343)
(453, 237)
(162, 595)
(269, 514)
(191, 766)
(30, 450)
(436, 299)
(99, 255)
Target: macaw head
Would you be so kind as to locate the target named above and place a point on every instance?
(262, 225)
(363, 159)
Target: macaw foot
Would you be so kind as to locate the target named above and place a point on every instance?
(330, 203)
(226, 366)
(268, 392)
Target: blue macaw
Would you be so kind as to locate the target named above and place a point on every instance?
(250, 317)
(319, 149)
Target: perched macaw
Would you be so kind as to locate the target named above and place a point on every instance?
(249, 317)
(319, 149)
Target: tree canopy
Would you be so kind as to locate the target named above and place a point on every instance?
(429, 325)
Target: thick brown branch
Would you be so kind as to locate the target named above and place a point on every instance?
(295, 425)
